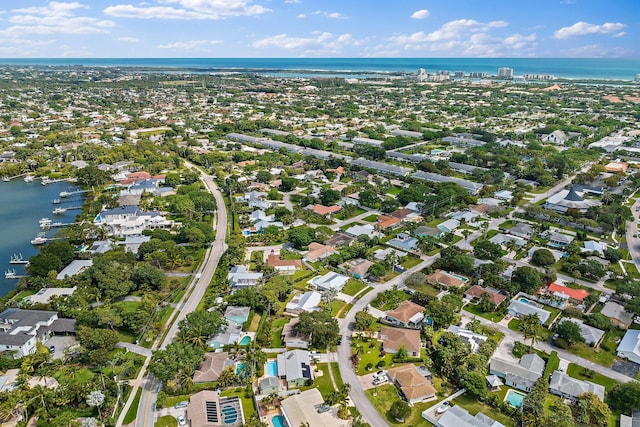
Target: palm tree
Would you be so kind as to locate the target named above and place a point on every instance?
(529, 324)
(96, 398)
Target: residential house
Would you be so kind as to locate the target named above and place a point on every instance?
(629, 347)
(324, 210)
(295, 367)
(394, 338)
(557, 137)
(415, 387)
(448, 280)
(358, 230)
(575, 295)
(237, 314)
(212, 366)
(566, 387)
(318, 251)
(269, 385)
(284, 266)
(239, 277)
(569, 199)
(405, 215)
(505, 239)
(131, 221)
(340, 239)
(558, 240)
(449, 225)
(292, 338)
(426, 231)
(619, 317)
(387, 223)
(522, 230)
(457, 416)
(230, 334)
(521, 306)
(591, 335)
(383, 254)
(404, 241)
(617, 167)
(407, 315)
(494, 382)
(465, 169)
(472, 187)
(132, 243)
(208, 409)
(592, 246)
(75, 267)
(307, 302)
(475, 294)
(463, 217)
(630, 421)
(44, 295)
(468, 337)
(357, 267)
(505, 195)
(302, 410)
(521, 375)
(21, 330)
(329, 280)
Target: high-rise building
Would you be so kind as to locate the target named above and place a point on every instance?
(637, 78)
(505, 73)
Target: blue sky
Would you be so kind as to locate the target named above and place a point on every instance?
(313, 28)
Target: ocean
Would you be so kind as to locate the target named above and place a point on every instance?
(24, 204)
(566, 68)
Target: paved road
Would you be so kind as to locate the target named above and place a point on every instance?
(357, 394)
(513, 336)
(341, 223)
(633, 243)
(135, 348)
(560, 186)
(190, 301)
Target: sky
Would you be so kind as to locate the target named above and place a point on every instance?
(319, 28)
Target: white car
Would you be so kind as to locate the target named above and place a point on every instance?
(181, 420)
(380, 374)
(380, 380)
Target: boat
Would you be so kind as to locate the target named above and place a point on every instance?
(65, 193)
(44, 221)
(443, 408)
(10, 274)
(59, 211)
(55, 201)
(17, 259)
(6, 179)
(28, 178)
(40, 239)
(45, 181)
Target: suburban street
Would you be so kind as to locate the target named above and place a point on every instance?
(633, 243)
(191, 299)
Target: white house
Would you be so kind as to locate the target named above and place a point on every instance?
(239, 276)
(20, 330)
(328, 281)
(629, 347)
(308, 302)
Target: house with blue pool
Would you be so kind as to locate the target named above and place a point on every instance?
(208, 409)
(238, 315)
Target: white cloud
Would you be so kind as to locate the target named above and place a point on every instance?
(189, 10)
(190, 45)
(293, 1)
(321, 43)
(128, 39)
(584, 28)
(55, 17)
(466, 37)
(331, 15)
(420, 14)
(301, 16)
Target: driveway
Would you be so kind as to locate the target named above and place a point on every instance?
(61, 343)
(366, 382)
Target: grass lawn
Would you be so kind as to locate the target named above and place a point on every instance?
(425, 288)
(170, 401)
(507, 224)
(128, 306)
(543, 333)
(276, 332)
(337, 376)
(322, 382)
(410, 262)
(394, 190)
(345, 310)
(255, 321)
(355, 212)
(247, 402)
(82, 375)
(384, 396)
(166, 421)
(353, 286)
(596, 355)
(576, 371)
(371, 355)
(370, 218)
(472, 405)
(133, 409)
(632, 270)
(336, 306)
(20, 295)
(494, 316)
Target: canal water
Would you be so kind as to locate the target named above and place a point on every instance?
(22, 205)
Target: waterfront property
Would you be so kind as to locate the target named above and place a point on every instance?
(21, 329)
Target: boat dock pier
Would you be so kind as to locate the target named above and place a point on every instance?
(9, 178)
(60, 211)
(71, 193)
(46, 180)
(18, 259)
(11, 274)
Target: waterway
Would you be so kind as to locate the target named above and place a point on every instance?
(22, 205)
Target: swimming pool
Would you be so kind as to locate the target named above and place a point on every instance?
(245, 340)
(525, 301)
(271, 368)
(514, 398)
(229, 414)
(240, 368)
(246, 233)
(278, 421)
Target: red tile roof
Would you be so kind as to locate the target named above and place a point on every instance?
(576, 294)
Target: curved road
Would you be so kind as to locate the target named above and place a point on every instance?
(189, 303)
(358, 395)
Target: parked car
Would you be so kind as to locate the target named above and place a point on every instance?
(181, 420)
(380, 380)
(381, 373)
(182, 404)
(323, 408)
(52, 349)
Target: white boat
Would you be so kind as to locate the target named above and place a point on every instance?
(40, 239)
(443, 408)
(17, 259)
(59, 211)
(45, 181)
(55, 201)
(6, 179)
(10, 274)
(44, 221)
(28, 178)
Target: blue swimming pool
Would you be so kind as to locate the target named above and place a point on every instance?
(514, 398)
(271, 368)
(278, 421)
(245, 340)
(229, 414)
(524, 300)
(240, 368)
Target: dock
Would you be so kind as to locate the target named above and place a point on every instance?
(18, 259)
(71, 193)
(9, 178)
(11, 274)
(60, 211)
(46, 180)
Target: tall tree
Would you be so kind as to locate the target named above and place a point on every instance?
(529, 324)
